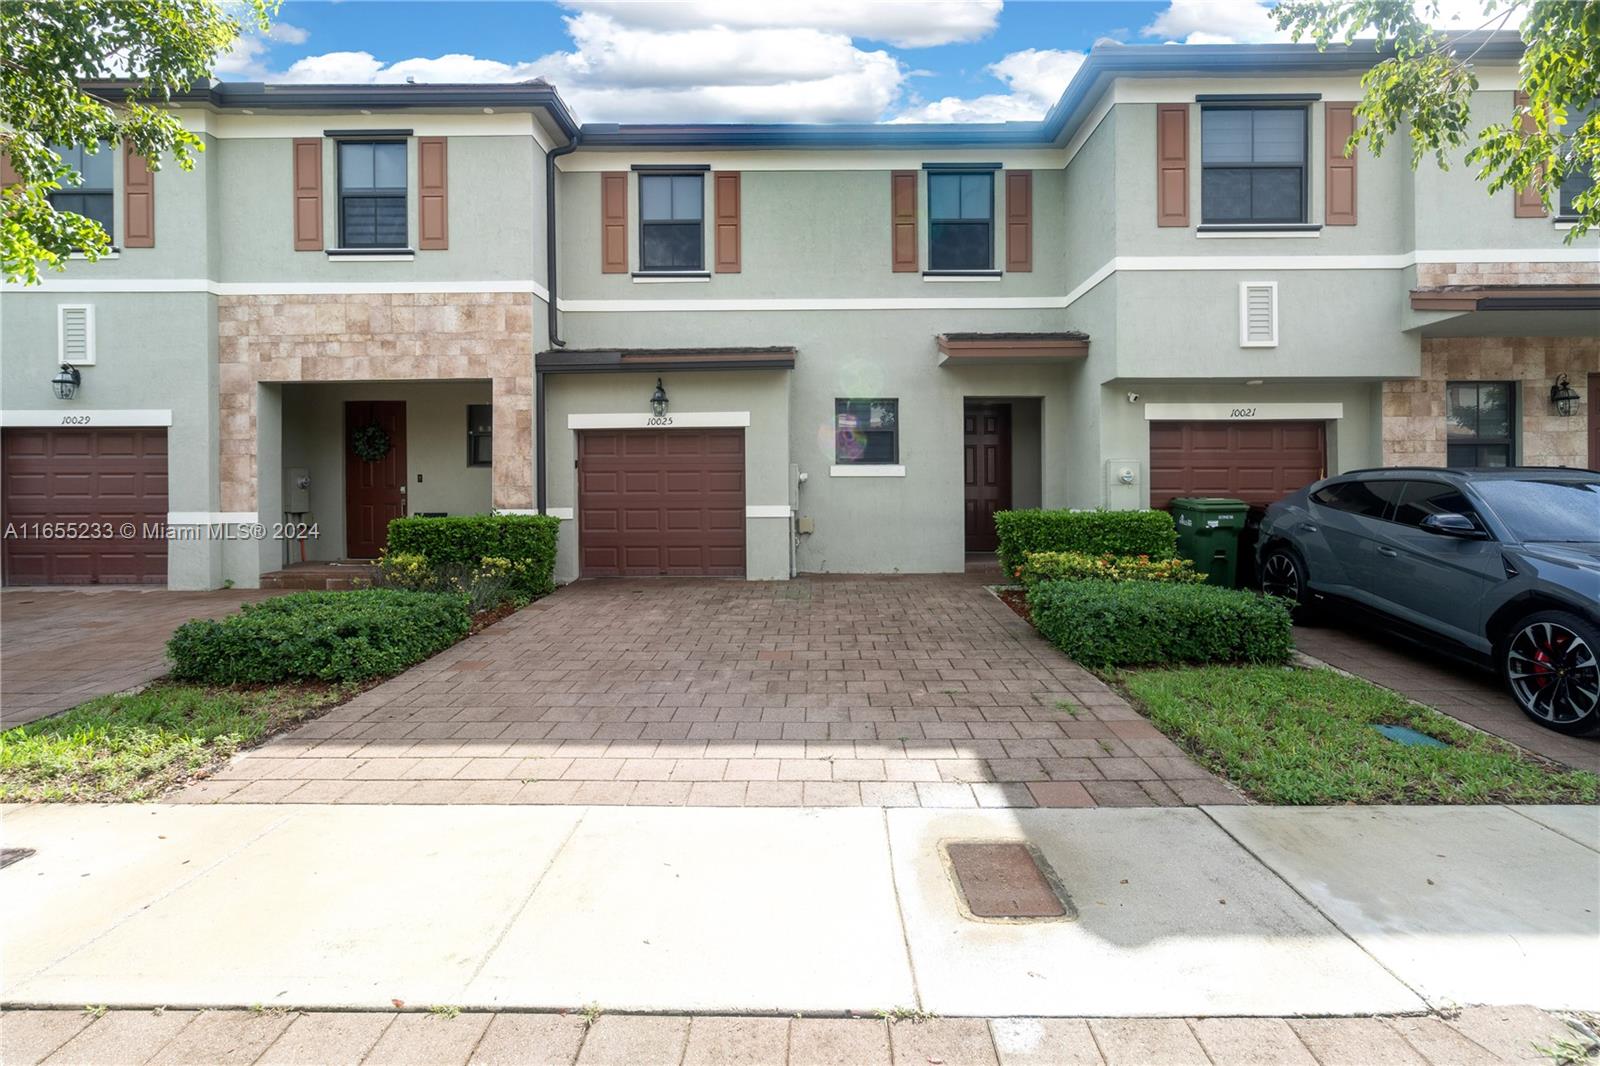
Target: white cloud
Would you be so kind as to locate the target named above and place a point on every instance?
(904, 23)
(247, 60)
(1216, 22)
(1035, 76)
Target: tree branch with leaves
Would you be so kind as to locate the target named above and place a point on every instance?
(54, 51)
(1424, 82)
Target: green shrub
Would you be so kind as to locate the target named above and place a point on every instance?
(1091, 532)
(527, 541)
(325, 636)
(486, 585)
(1079, 566)
(1139, 623)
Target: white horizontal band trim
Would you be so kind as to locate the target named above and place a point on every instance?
(823, 303)
(1243, 411)
(766, 510)
(668, 279)
(684, 420)
(212, 518)
(1224, 235)
(515, 510)
(346, 255)
(84, 418)
(563, 513)
(866, 470)
(590, 160)
(276, 288)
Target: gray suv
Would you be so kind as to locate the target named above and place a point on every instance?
(1501, 566)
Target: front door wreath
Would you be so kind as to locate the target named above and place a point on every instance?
(370, 442)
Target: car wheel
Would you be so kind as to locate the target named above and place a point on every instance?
(1551, 662)
(1283, 574)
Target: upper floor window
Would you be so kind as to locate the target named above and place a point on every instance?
(1575, 183)
(866, 431)
(1479, 423)
(94, 198)
(1253, 165)
(372, 194)
(672, 222)
(961, 221)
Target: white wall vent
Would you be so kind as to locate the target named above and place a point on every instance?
(75, 334)
(1258, 314)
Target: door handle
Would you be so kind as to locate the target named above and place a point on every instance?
(1307, 527)
(1390, 552)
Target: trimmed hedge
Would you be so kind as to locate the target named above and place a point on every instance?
(1079, 566)
(1140, 623)
(527, 541)
(1091, 532)
(325, 636)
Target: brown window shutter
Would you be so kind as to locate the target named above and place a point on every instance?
(614, 222)
(308, 194)
(1172, 164)
(903, 220)
(1340, 183)
(1019, 221)
(726, 187)
(138, 200)
(1529, 202)
(433, 201)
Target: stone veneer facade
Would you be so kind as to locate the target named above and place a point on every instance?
(1413, 409)
(377, 337)
(1435, 275)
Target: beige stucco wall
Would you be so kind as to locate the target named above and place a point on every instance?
(374, 337)
(1413, 409)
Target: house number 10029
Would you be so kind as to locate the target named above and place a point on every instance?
(1242, 412)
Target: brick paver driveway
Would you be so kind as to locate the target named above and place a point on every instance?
(882, 691)
(59, 646)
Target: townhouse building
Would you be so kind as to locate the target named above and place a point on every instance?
(761, 350)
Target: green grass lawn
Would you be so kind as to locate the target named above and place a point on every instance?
(132, 747)
(1296, 736)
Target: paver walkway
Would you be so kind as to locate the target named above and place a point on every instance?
(1459, 690)
(821, 691)
(63, 646)
(191, 1038)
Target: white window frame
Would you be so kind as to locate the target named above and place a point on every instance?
(1244, 314)
(61, 334)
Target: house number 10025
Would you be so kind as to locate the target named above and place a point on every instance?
(658, 420)
(1242, 412)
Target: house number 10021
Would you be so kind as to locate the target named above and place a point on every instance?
(658, 420)
(1242, 412)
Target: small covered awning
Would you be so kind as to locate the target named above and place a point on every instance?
(1507, 298)
(987, 349)
(658, 360)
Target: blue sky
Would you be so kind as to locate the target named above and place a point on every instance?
(740, 60)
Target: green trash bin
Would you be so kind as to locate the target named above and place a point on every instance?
(1208, 534)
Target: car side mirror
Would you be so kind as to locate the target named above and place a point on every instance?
(1453, 525)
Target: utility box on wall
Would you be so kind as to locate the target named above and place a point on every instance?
(296, 490)
(1125, 489)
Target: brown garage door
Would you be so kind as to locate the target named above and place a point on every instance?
(106, 479)
(1257, 462)
(661, 502)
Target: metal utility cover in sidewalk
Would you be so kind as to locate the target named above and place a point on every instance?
(1000, 879)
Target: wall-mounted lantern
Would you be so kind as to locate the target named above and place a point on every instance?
(658, 400)
(1563, 397)
(66, 382)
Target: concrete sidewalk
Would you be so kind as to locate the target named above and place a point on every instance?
(1241, 911)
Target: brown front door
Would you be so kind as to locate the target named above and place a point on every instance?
(374, 490)
(110, 483)
(1257, 462)
(1593, 400)
(661, 502)
(987, 457)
